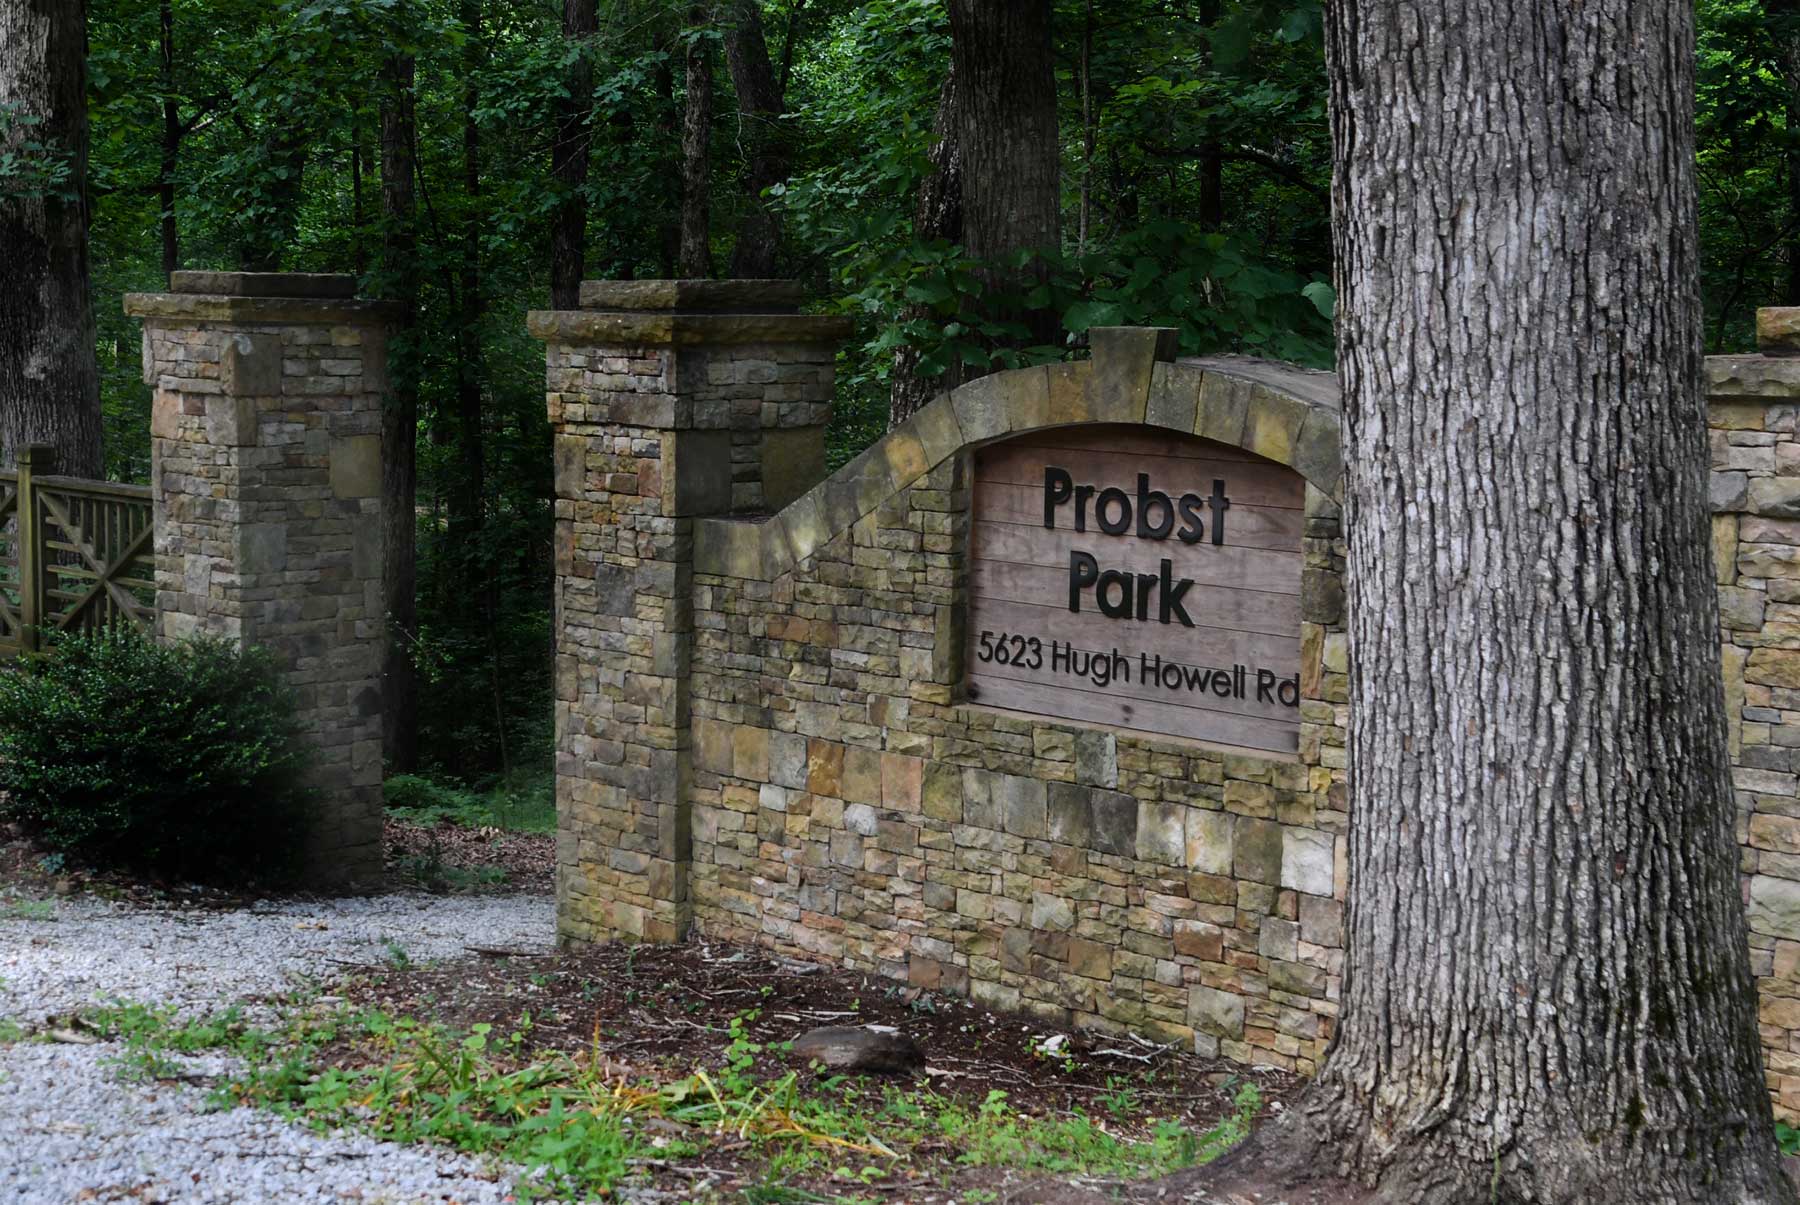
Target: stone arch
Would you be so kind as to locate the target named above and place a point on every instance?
(1283, 413)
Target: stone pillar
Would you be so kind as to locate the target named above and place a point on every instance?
(266, 477)
(669, 400)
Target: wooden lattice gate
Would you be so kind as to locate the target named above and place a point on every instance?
(75, 555)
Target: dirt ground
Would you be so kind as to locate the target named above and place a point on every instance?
(664, 1010)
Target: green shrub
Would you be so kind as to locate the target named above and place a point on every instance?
(172, 757)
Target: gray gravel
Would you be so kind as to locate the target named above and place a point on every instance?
(76, 1132)
(199, 958)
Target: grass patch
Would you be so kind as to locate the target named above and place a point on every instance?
(526, 804)
(36, 910)
(581, 1125)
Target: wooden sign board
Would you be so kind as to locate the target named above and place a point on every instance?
(1143, 580)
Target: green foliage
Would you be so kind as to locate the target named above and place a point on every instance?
(176, 757)
(527, 805)
(578, 1128)
(31, 169)
(1787, 1138)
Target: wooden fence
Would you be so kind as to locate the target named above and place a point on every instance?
(75, 555)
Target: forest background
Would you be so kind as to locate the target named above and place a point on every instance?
(477, 157)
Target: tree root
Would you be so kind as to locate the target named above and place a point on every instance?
(1291, 1161)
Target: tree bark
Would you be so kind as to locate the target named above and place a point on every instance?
(1547, 994)
(1211, 167)
(1007, 136)
(466, 500)
(569, 160)
(764, 139)
(49, 376)
(267, 240)
(938, 215)
(400, 418)
(171, 142)
(696, 159)
(1784, 28)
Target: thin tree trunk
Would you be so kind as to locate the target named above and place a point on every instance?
(171, 143)
(569, 160)
(1211, 168)
(466, 501)
(49, 377)
(359, 256)
(938, 215)
(400, 418)
(1547, 994)
(668, 119)
(1087, 126)
(266, 241)
(696, 158)
(1007, 134)
(764, 138)
(1784, 28)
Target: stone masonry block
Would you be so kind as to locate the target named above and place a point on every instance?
(356, 466)
(1124, 359)
(1071, 814)
(251, 365)
(793, 461)
(696, 474)
(1023, 804)
(1307, 860)
(1214, 1012)
(1257, 850)
(1115, 823)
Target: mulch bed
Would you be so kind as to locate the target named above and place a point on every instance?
(664, 1010)
(444, 858)
(427, 857)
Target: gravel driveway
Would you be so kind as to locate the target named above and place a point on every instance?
(75, 1133)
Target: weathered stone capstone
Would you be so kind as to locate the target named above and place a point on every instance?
(266, 475)
(669, 400)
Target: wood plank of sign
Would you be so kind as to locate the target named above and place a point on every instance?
(1278, 527)
(1247, 483)
(1244, 599)
(1244, 568)
(1162, 719)
(1203, 644)
(1184, 694)
(1046, 589)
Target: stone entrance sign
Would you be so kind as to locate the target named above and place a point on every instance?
(776, 722)
(1138, 579)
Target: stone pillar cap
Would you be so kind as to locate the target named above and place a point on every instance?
(331, 285)
(694, 296)
(1778, 330)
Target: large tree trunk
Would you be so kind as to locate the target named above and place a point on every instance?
(1784, 28)
(763, 135)
(938, 215)
(696, 159)
(466, 500)
(400, 417)
(49, 377)
(1007, 135)
(171, 142)
(1547, 994)
(569, 161)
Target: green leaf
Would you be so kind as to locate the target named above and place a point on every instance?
(1323, 297)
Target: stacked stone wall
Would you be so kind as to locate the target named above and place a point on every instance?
(849, 804)
(1754, 418)
(668, 400)
(846, 802)
(266, 480)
